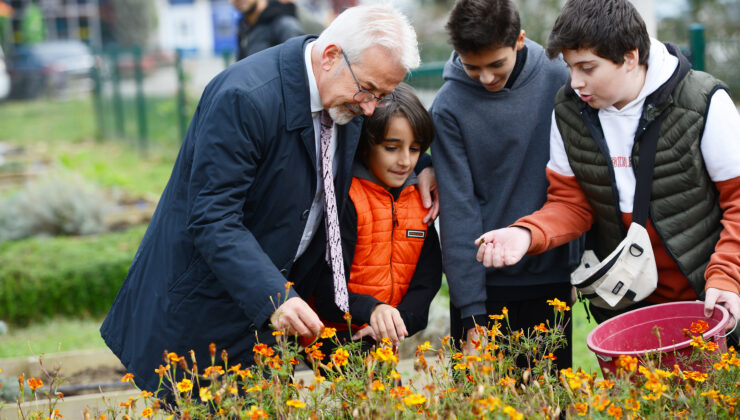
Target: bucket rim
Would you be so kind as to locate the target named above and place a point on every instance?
(711, 333)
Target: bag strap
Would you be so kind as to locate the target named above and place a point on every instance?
(643, 189)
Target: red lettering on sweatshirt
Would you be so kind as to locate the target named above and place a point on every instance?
(622, 162)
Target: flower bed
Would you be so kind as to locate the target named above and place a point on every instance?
(447, 384)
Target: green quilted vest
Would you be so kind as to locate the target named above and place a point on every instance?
(684, 205)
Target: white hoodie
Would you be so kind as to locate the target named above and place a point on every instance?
(720, 145)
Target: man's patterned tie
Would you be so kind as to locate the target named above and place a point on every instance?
(333, 237)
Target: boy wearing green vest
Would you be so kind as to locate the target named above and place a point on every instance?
(621, 81)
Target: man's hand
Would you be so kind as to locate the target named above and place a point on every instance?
(386, 321)
(294, 316)
(730, 300)
(501, 247)
(429, 193)
(476, 337)
(366, 331)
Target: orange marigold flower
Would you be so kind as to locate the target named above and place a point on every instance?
(600, 402)
(698, 342)
(496, 317)
(212, 350)
(263, 350)
(295, 403)
(581, 408)
(127, 377)
(327, 332)
(145, 394)
(699, 326)
(549, 356)
(213, 371)
(711, 346)
(394, 375)
(161, 370)
(627, 363)
(605, 384)
(559, 305)
(505, 311)
(347, 317)
(147, 412)
(378, 386)
(256, 413)
(35, 383)
(615, 411)
(507, 381)
(185, 385)
(541, 327)
(277, 333)
(632, 405)
(288, 285)
(713, 394)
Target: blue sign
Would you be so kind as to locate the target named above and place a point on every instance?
(225, 19)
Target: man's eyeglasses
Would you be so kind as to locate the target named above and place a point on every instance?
(363, 95)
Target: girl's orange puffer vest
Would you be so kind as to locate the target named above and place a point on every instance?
(390, 235)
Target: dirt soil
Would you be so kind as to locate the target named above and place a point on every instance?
(91, 380)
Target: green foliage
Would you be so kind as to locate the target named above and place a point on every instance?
(40, 278)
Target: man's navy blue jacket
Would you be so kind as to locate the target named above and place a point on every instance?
(222, 241)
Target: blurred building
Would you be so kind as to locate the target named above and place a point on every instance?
(59, 19)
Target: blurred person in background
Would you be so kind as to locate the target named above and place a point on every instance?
(264, 24)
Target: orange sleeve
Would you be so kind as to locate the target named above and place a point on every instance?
(565, 216)
(723, 271)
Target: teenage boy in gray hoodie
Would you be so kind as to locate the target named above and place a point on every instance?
(492, 122)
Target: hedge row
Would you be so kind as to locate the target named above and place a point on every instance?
(75, 276)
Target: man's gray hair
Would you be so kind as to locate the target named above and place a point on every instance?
(361, 27)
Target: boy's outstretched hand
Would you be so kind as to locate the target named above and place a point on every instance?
(385, 321)
(501, 247)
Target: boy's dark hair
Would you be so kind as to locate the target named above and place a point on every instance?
(610, 27)
(404, 103)
(478, 25)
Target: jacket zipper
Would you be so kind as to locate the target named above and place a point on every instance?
(393, 230)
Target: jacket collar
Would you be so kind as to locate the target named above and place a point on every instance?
(295, 83)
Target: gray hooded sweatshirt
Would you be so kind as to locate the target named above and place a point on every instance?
(490, 152)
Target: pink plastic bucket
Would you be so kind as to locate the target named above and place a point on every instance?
(632, 334)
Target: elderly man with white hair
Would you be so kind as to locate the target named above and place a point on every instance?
(251, 206)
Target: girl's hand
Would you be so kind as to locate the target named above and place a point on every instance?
(386, 321)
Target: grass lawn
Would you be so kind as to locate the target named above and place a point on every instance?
(50, 337)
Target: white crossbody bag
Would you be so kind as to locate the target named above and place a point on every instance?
(628, 274)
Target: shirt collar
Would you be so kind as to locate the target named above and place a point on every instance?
(313, 88)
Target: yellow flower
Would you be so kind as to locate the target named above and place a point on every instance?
(127, 377)
(600, 402)
(318, 378)
(327, 332)
(605, 384)
(424, 347)
(559, 305)
(145, 394)
(394, 375)
(147, 412)
(277, 333)
(512, 413)
(695, 376)
(505, 311)
(460, 366)
(295, 403)
(713, 394)
(414, 399)
(185, 385)
(711, 346)
(205, 395)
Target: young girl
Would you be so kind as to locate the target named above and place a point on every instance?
(396, 262)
